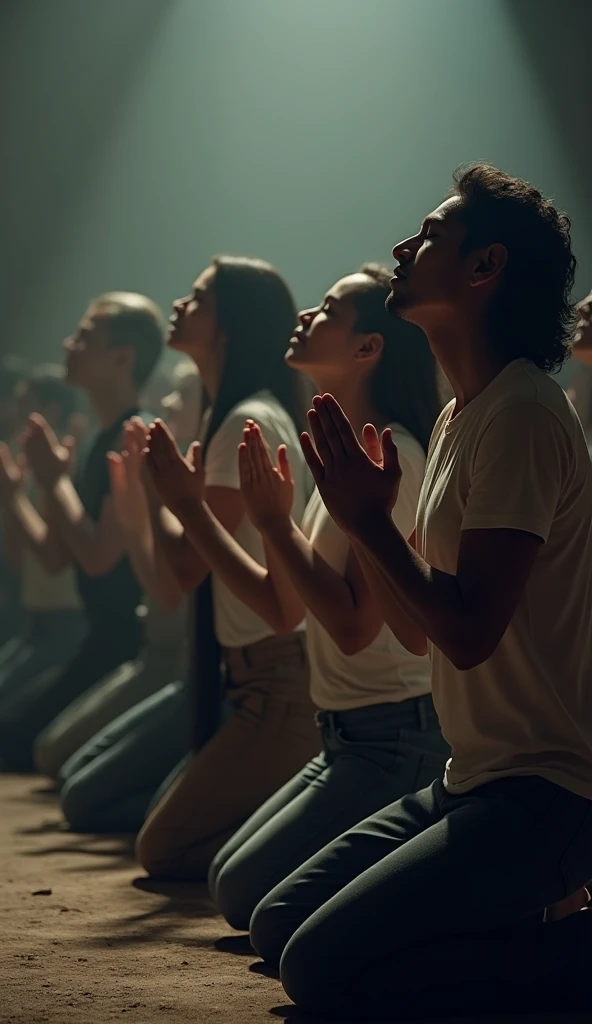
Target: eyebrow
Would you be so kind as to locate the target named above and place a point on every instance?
(429, 221)
(331, 298)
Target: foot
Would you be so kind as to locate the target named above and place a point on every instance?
(571, 905)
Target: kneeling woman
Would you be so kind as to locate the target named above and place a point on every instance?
(235, 324)
(379, 731)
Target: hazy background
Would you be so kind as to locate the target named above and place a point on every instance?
(142, 136)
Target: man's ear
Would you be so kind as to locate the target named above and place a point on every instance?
(489, 265)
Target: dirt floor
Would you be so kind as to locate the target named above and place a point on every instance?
(84, 940)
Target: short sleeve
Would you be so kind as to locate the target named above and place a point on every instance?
(412, 462)
(520, 468)
(221, 468)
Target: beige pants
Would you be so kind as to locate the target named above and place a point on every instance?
(270, 736)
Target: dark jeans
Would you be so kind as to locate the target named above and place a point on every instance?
(48, 643)
(108, 784)
(106, 645)
(371, 756)
(436, 903)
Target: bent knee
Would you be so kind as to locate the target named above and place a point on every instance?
(270, 929)
(47, 757)
(234, 897)
(306, 976)
(76, 808)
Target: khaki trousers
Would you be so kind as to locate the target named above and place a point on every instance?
(269, 736)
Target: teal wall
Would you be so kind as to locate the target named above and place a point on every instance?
(145, 135)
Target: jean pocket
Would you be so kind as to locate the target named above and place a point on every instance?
(425, 755)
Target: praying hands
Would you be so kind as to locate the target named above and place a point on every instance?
(356, 483)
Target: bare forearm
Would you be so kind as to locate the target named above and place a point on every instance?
(429, 598)
(173, 552)
(325, 593)
(158, 580)
(268, 593)
(35, 533)
(406, 630)
(77, 530)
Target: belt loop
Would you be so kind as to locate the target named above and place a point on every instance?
(422, 714)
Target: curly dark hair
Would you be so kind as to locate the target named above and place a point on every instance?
(532, 315)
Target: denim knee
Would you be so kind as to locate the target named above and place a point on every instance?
(75, 806)
(233, 895)
(270, 929)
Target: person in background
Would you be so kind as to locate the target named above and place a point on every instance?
(379, 731)
(443, 901)
(582, 351)
(12, 618)
(111, 355)
(234, 326)
(73, 736)
(56, 624)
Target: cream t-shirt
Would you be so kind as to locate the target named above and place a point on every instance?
(516, 458)
(235, 624)
(384, 672)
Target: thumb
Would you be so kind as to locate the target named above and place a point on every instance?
(390, 453)
(372, 443)
(194, 455)
(69, 443)
(284, 464)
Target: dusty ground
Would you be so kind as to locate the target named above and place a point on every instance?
(93, 945)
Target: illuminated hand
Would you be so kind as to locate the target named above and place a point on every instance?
(47, 459)
(178, 481)
(268, 490)
(11, 474)
(126, 472)
(355, 483)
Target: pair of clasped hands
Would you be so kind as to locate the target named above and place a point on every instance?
(356, 482)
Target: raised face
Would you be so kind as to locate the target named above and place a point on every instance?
(91, 362)
(192, 325)
(326, 343)
(431, 274)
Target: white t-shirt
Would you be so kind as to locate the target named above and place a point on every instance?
(384, 672)
(516, 458)
(235, 624)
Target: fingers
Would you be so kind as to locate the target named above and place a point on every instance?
(390, 453)
(323, 448)
(244, 466)
(162, 449)
(372, 443)
(194, 456)
(337, 427)
(313, 461)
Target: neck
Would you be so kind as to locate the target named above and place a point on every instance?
(210, 378)
(353, 396)
(466, 357)
(110, 405)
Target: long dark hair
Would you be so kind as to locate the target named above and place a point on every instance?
(256, 313)
(404, 387)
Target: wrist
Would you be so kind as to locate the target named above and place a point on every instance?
(276, 528)
(368, 524)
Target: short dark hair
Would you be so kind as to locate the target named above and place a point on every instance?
(133, 321)
(48, 386)
(532, 315)
(256, 313)
(404, 387)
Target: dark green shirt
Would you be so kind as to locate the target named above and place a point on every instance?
(115, 595)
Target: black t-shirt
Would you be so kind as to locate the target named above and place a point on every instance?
(117, 594)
